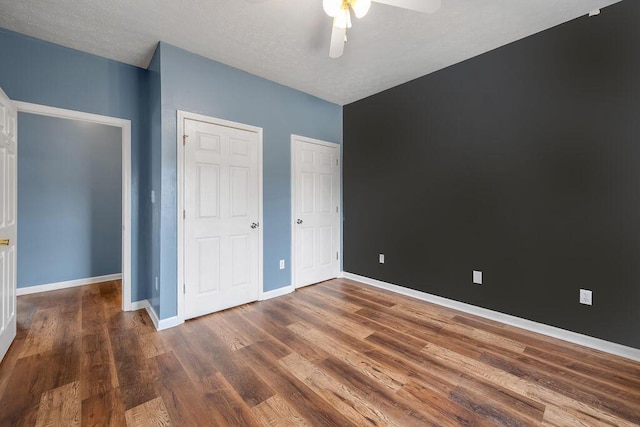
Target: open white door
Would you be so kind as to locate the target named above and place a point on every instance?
(316, 210)
(8, 228)
(221, 216)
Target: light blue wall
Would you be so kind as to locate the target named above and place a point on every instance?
(152, 174)
(35, 71)
(43, 73)
(196, 84)
(69, 200)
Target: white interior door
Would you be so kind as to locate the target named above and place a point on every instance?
(221, 218)
(316, 211)
(8, 228)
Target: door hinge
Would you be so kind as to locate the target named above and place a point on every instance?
(336, 255)
(184, 139)
(184, 288)
(336, 162)
(336, 209)
(184, 214)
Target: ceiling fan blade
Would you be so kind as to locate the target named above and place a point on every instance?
(427, 6)
(337, 42)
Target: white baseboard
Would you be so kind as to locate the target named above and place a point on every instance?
(67, 284)
(551, 331)
(139, 305)
(167, 323)
(277, 292)
(160, 324)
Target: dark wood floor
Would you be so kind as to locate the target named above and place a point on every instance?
(334, 354)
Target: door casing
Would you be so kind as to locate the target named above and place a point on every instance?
(125, 126)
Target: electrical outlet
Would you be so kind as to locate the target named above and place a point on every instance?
(156, 283)
(381, 259)
(281, 264)
(477, 277)
(586, 297)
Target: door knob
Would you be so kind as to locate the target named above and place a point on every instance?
(299, 221)
(4, 242)
(255, 225)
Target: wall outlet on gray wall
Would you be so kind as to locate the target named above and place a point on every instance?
(281, 264)
(586, 297)
(477, 277)
(381, 258)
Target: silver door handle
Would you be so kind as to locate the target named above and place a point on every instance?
(299, 221)
(255, 225)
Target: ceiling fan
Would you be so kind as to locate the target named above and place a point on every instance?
(340, 11)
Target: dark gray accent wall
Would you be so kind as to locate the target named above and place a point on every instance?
(524, 163)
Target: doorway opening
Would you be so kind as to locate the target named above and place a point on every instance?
(124, 127)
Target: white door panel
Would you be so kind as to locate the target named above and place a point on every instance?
(316, 200)
(8, 229)
(221, 200)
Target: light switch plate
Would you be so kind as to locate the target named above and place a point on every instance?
(381, 259)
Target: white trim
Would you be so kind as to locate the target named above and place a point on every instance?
(276, 292)
(167, 323)
(125, 125)
(301, 138)
(181, 116)
(67, 284)
(529, 325)
(139, 305)
(158, 324)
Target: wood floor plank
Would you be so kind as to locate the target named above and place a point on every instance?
(533, 390)
(104, 410)
(277, 412)
(9, 362)
(596, 394)
(183, 401)
(60, 406)
(353, 358)
(151, 344)
(98, 374)
(311, 313)
(443, 411)
(400, 410)
(31, 377)
(226, 405)
(337, 354)
(151, 413)
(286, 337)
(294, 391)
(249, 386)
(42, 332)
(357, 409)
(135, 376)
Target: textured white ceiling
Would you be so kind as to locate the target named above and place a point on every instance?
(287, 41)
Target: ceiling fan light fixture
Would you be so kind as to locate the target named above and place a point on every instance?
(342, 19)
(360, 7)
(332, 7)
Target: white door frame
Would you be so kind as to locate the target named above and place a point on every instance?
(295, 138)
(182, 115)
(125, 125)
